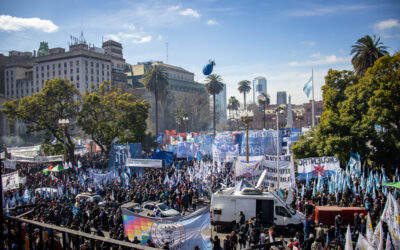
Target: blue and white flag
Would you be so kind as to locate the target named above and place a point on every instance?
(308, 87)
(311, 167)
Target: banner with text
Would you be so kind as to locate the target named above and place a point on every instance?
(120, 152)
(143, 163)
(182, 232)
(225, 152)
(312, 167)
(262, 142)
(10, 181)
(253, 171)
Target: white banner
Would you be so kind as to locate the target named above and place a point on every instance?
(38, 159)
(22, 180)
(10, 164)
(143, 163)
(225, 152)
(10, 181)
(252, 171)
(312, 167)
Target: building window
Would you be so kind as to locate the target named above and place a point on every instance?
(97, 65)
(86, 62)
(91, 70)
(65, 71)
(54, 73)
(59, 65)
(86, 77)
(48, 67)
(65, 64)
(59, 73)
(108, 66)
(71, 63)
(54, 66)
(71, 70)
(77, 63)
(77, 85)
(86, 70)
(102, 73)
(48, 74)
(71, 78)
(91, 78)
(77, 77)
(102, 65)
(42, 67)
(91, 64)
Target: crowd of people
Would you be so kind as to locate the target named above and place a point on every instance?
(181, 186)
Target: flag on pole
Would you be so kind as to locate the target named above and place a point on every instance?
(369, 235)
(349, 242)
(308, 87)
(79, 164)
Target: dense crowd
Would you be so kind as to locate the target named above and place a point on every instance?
(182, 186)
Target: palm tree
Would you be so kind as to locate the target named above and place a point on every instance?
(244, 87)
(156, 81)
(367, 50)
(233, 104)
(263, 100)
(214, 86)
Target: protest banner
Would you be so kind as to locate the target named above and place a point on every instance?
(120, 152)
(10, 164)
(38, 159)
(225, 152)
(252, 171)
(312, 167)
(143, 163)
(10, 181)
(260, 143)
(182, 232)
(166, 157)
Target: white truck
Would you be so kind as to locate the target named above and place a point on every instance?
(272, 210)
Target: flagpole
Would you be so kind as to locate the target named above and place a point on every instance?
(312, 102)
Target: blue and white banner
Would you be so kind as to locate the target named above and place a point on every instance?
(262, 142)
(312, 167)
(225, 152)
(120, 152)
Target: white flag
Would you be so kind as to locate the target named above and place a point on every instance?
(378, 236)
(349, 241)
(369, 235)
(363, 244)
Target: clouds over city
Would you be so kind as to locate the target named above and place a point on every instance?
(10, 23)
(130, 37)
(388, 28)
(317, 59)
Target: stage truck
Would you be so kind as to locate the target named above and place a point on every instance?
(273, 211)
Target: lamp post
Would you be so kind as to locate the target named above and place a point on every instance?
(263, 99)
(247, 116)
(64, 123)
(299, 117)
(278, 111)
(185, 121)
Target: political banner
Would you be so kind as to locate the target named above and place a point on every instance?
(261, 142)
(312, 167)
(120, 152)
(10, 181)
(252, 171)
(143, 163)
(225, 152)
(10, 164)
(38, 159)
(182, 232)
(184, 149)
(166, 157)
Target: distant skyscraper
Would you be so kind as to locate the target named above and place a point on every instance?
(259, 86)
(281, 97)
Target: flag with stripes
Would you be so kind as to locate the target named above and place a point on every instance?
(308, 87)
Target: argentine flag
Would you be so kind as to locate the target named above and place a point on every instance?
(308, 87)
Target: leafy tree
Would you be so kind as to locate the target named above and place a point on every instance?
(180, 113)
(156, 81)
(244, 87)
(59, 99)
(367, 50)
(233, 104)
(108, 113)
(214, 86)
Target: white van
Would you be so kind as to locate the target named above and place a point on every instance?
(227, 203)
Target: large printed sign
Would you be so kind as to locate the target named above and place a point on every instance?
(10, 181)
(182, 232)
(143, 163)
(10, 164)
(252, 171)
(120, 152)
(225, 152)
(38, 159)
(260, 143)
(312, 167)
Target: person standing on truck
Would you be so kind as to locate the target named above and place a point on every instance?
(338, 225)
(242, 218)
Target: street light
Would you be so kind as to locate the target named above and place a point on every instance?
(185, 121)
(247, 116)
(278, 111)
(64, 123)
(299, 117)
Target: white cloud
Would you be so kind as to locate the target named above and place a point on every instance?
(310, 43)
(10, 23)
(133, 37)
(190, 12)
(318, 60)
(173, 8)
(325, 10)
(129, 26)
(212, 22)
(387, 24)
(144, 39)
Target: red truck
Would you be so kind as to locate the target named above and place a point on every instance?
(326, 214)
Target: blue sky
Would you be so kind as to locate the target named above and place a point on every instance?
(281, 40)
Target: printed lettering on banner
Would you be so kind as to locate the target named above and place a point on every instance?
(10, 181)
(312, 167)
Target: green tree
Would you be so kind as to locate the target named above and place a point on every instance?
(244, 87)
(59, 99)
(108, 113)
(180, 113)
(214, 86)
(233, 104)
(156, 81)
(366, 51)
